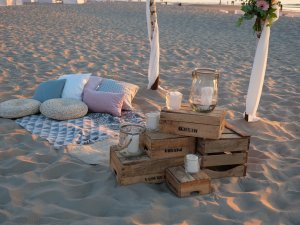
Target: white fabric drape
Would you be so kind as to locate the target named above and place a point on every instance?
(258, 73)
(153, 69)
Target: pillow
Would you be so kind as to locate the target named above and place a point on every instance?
(93, 83)
(129, 90)
(104, 102)
(49, 90)
(74, 85)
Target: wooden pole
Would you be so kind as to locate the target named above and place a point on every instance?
(153, 19)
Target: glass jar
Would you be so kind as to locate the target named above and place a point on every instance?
(130, 135)
(204, 90)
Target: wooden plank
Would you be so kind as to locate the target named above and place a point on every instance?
(181, 175)
(186, 109)
(171, 147)
(237, 171)
(162, 136)
(201, 118)
(222, 145)
(191, 129)
(236, 130)
(148, 178)
(230, 136)
(223, 159)
(172, 183)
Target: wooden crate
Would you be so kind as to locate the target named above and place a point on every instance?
(226, 171)
(186, 122)
(231, 140)
(161, 145)
(184, 184)
(227, 156)
(140, 169)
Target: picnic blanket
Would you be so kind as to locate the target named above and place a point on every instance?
(92, 128)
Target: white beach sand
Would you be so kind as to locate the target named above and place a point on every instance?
(39, 185)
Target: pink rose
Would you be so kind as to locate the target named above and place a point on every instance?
(263, 5)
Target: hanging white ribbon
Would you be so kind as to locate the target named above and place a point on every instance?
(258, 73)
(153, 69)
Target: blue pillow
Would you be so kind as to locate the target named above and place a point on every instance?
(49, 90)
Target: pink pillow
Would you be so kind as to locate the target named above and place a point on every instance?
(104, 102)
(93, 83)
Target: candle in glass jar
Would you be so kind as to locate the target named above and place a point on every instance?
(133, 147)
(206, 95)
(173, 100)
(152, 120)
(191, 162)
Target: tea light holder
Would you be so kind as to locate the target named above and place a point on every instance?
(173, 100)
(129, 138)
(191, 163)
(152, 121)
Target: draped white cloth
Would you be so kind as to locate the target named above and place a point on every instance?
(258, 73)
(153, 69)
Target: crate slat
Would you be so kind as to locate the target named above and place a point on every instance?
(233, 158)
(160, 145)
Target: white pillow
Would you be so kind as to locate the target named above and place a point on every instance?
(74, 85)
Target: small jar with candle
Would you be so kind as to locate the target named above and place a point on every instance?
(152, 121)
(129, 139)
(191, 163)
(173, 100)
(204, 90)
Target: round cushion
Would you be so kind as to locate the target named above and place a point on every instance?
(63, 108)
(16, 108)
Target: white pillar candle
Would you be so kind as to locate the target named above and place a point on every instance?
(173, 100)
(191, 162)
(152, 120)
(133, 147)
(206, 95)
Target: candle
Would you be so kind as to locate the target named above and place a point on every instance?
(133, 147)
(173, 100)
(206, 96)
(191, 162)
(152, 120)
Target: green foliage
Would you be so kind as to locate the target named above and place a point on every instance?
(263, 10)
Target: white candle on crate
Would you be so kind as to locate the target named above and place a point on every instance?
(133, 147)
(152, 120)
(206, 95)
(191, 163)
(173, 100)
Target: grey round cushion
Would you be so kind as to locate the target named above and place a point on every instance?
(16, 108)
(63, 108)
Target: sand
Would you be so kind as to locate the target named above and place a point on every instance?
(39, 185)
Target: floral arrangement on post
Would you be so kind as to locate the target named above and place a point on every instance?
(264, 10)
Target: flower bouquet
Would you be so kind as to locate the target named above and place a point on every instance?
(264, 10)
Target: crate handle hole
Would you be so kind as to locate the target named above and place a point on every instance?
(193, 193)
(115, 172)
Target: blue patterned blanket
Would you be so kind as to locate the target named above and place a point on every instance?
(86, 130)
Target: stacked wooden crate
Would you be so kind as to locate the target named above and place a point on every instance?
(160, 151)
(223, 152)
(227, 156)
